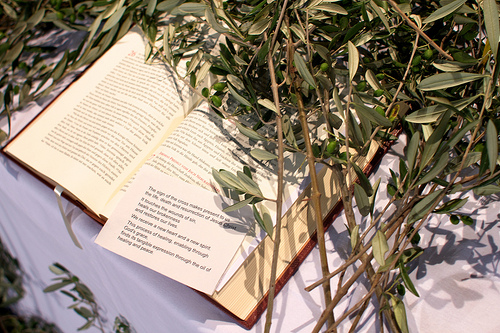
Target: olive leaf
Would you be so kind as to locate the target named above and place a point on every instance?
(426, 115)
(84, 312)
(194, 8)
(249, 184)
(114, 19)
(372, 197)
(492, 145)
(486, 189)
(249, 132)
(260, 26)
(451, 206)
(14, 52)
(353, 60)
(151, 7)
(436, 169)
(363, 180)
(57, 269)
(297, 30)
(236, 82)
(424, 206)
(168, 5)
(372, 80)
(288, 131)
(380, 247)
(57, 286)
(434, 140)
(380, 14)
(400, 313)
(238, 205)
(267, 104)
(447, 80)
(372, 115)
(61, 67)
(263, 218)
(444, 11)
(9, 10)
(214, 23)
(450, 66)
(490, 12)
(36, 18)
(412, 151)
(329, 7)
(237, 96)
(354, 236)
(302, 68)
(218, 179)
(406, 279)
(361, 200)
(231, 180)
(262, 154)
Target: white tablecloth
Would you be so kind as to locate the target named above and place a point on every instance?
(457, 277)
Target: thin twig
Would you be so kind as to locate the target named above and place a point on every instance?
(279, 202)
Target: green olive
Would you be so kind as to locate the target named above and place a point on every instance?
(361, 86)
(428, 54)
(378, 92)
(216, 100)
(332, 146)
(205, 92)
(219, 86)
(454, 219)
(324, 67)
(416, 60)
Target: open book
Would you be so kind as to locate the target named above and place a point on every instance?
(134, 147)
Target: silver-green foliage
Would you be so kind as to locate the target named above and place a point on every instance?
(84, 302)
(444, 97)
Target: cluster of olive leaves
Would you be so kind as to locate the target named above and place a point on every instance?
(359, 71)
(427, 69)
(31, 66)
(84, 302)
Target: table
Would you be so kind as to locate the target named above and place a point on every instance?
(458, 276)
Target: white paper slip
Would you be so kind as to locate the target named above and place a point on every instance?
(176, 229)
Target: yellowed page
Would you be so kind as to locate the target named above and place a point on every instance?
(97, 133)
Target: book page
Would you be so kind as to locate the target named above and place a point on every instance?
(105, 124)
(176, 229)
